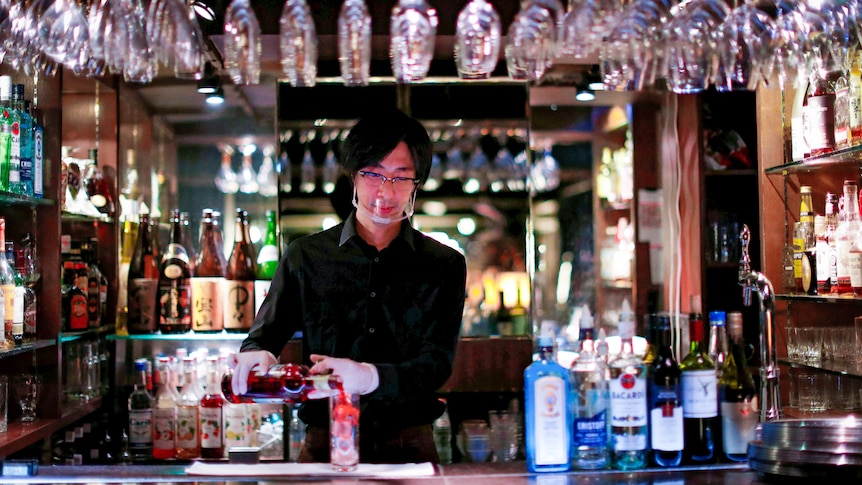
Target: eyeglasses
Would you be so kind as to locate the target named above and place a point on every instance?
(374, 180)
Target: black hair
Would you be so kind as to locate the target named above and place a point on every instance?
(374, 137)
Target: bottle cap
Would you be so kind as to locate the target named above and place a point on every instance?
(805, 189)
(717, 318)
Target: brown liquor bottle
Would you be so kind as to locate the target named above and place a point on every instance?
(174, 301)
(238, 290)
(208, 279)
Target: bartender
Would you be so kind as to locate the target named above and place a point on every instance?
(378, 303)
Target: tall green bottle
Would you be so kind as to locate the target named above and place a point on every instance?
(267, 260)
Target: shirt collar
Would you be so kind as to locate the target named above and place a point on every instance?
(349, 231)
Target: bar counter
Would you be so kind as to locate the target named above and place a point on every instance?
(465, 473)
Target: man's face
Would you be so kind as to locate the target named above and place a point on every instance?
(384, 192)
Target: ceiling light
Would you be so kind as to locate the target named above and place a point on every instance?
(596, 85)
(203, 10)
(585, 95)
(216, 98)
(210, 81)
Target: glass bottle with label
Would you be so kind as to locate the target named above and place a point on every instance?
(207, 281)
(548, 424)
(665, 397)
(18, 301)
(188, 413)
(164, 415)
(7, 286)
(628, 389)
(700, 397)
(174, 301)
(821, 116)
(211, 415)
(267, 260)
(842, 110)
(739, 405)
(846, 234)
(238, 290)
(29, 296)
(143, 282)
(97, 186)
(140, 416)
(590, 385)
(94, 285)
(25, 141)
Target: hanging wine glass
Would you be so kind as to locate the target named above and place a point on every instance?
(354, 42)
(477, 40)
(413, 28)
(746, 48)
(246, 176)
(226, 179)
(586, 24)
(63, 31)
(242, 43)
(691, 44)
(298, 41)
(530, 43)
(267, 179)
(790, 54)
(330, 172)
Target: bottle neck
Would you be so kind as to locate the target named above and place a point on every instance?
(696, 332)
(546, 352)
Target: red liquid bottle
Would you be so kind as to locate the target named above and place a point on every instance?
(281, 383)
(211, 422)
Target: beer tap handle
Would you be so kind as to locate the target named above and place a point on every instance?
(745, 258)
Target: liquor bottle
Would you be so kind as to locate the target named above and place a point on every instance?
(238, 290)
(855, 105)
(589, 408)
(5, 132)
(174, 301)
(38, 157)
(11, 124)
(207, 282)
(164, 415)
(97, 186)
(186, 240)
(130, 236)
(846, 234)
(717, 347)
(188, 413)
(665, 397)
(821, 116)
(143, 282)
(74, 300)
(832, 212)
(140, 416)
(29, 296)
(739, 406)
(281, 383)
(297, 438)
(442, 436)
(700, 398)
(18, 301)
(842, 110)
(103, 280)
(25, 147)
(219, 236)
(211, 415)
(7, 285)
(267, 261)
(806, 244)
(518, 316)
(628, 390)
(547, 386)
(94, 287)
(823, 251)
(503, 318)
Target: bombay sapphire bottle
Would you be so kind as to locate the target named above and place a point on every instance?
(354, 42)
(546, 386)
(413, 26)
(477, 40)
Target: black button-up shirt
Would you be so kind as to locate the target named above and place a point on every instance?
(399, 309)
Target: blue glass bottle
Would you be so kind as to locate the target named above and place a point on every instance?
(547, 420)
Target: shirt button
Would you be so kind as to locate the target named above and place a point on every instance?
(376, 259)
(371, 330)
(373, 294)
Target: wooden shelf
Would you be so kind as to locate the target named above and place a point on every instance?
(27, 347)
(21, 435)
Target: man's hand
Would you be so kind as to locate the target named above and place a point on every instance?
(244, 362)
(356, 377)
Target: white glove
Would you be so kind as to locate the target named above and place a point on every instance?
(356, 377)
(243, 363)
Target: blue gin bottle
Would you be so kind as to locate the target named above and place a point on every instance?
(547, 421)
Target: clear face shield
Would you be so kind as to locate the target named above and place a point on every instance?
(386, 209)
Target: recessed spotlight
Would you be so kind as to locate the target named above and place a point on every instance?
(216, 98)
(203, 10)
(585, 95)
(210, 82)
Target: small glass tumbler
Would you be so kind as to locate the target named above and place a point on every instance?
(27, 389)
(811, 344)
(793, 344)
(476, 440)
(344, 431)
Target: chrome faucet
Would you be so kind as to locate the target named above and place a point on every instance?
(770, 398)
